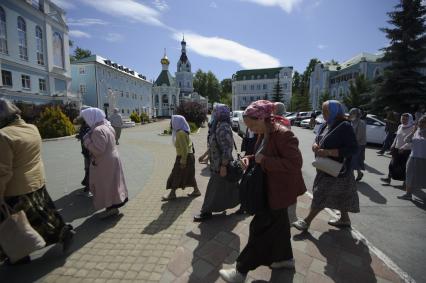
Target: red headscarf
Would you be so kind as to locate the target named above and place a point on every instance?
(263, 109)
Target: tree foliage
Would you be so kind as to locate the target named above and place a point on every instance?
(193, 112)
(277, 92)
(53, 123)
(300, 95)
(80, 53)
(324, 97)
(207, 85)
(359, 93)
(403, 84)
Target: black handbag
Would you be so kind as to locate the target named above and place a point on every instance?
(252, 190)
(234, 169)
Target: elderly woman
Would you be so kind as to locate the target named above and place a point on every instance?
(279, 110)
(183, 173)
(221, 194)
(106, 178)
(400, 150)
(22, 178)
(335, 140)
(360, 129)
(281, 161)
(416, 164)
(117, 123)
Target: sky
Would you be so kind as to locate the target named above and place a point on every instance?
(225, 36)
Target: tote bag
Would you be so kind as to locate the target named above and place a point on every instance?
(252, 190)
(17, 238)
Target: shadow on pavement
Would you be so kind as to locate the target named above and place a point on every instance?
(347, 259)
(372, 170)
(279, 276)
(213, 249)
(170, 211)
(205, 171)
(371, 193)
(53, 257)
(74, 206)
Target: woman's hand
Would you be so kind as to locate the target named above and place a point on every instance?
(245, 163)
(259, 157)
(315, 147)
(222, 171)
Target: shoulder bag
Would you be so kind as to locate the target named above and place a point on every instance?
(252, 190)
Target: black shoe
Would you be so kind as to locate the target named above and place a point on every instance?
(386, 180)
(359, 177)
(381, 152)
(202, 216)
(406, 197)
(67, 239)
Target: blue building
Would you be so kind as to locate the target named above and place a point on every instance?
(336, 78)
(34, 52)
(105, 84)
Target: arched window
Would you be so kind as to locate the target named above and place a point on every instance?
(3, 32)
(39, 44)
(165, 99)
(58, 50)
(22, 36)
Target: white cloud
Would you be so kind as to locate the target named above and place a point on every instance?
(286, 5)
(161, 5)
(127, 9)
(213, 5)
(228, 50)
(64, 4)
(85, 22)
(321, 46)
(79, 33)
(114, 37)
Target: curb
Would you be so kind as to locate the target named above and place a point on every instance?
(58, 139)
(381, 255)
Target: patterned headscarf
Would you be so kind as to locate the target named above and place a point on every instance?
(260, 109)
(222, 113)
(335, 109)
(93, 116)
(179, 123)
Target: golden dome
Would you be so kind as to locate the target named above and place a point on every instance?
(165, 60)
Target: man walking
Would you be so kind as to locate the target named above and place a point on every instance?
(392, 121)
(117, 123)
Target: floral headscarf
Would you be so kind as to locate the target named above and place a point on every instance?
(260, 109)
(222, 113)
(179, 123)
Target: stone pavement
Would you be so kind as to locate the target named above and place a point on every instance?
(158, 242)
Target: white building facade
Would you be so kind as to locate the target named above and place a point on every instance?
(107, 85)
(34, 52)
(256, 84)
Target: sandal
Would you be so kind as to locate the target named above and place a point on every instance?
(339, 223)
(300, 225)
(194, 194)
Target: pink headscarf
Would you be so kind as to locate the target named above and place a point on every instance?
(260, 109)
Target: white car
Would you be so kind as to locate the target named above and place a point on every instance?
(235, 118)
(375, 128)
(242, 128)
(305, 123)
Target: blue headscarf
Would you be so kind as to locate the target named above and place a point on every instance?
(335, 109)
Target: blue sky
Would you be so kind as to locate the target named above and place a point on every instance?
(225, 36)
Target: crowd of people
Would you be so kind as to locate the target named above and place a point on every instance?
(269, 144)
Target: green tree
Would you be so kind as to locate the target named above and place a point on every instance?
(300, 94)
(324, 97)
(226, 92)
(207, 85)
(80, 53)
(53, 123)
(277, 92)
(200, 83)
(403, 84)
(296, 82)
(359, 93)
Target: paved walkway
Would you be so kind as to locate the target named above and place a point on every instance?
(158, 242)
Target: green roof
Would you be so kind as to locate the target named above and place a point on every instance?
(269, 72)
(165, 78)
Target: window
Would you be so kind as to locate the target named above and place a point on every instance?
(244, 87)
(81, 70)
(252, 87)
(258, 87)
(83, 89)
(6, 76)
(26, 82)
(58, 50)
(122, 111)
(265, 86)
(39, 45)
(3, 32)
(42, 84)
(22, 39)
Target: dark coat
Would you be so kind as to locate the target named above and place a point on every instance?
(282, 165)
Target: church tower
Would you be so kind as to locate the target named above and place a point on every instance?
(184, 76)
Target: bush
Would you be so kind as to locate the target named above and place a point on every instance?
(31, 113)
(144, 117)
(53, 123)
(193, 112)
(135, 117)
(193, 127)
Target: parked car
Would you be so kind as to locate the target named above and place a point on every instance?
(235, 118)
(305, 123)
(375, 128)
(242, 128)
(292, 117)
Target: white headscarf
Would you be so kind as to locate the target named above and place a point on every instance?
(410, 122)
(93, 116)
(179, 123)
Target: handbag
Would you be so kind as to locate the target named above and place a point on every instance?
(325, 164)
(252, 190)
(234, 169)
(17, 238)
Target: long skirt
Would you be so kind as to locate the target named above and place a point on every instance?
(416, 173)
(398, 164)
(358, 159)
(220, 195)
(335, 193)
(182, 177)
(269, 241)
(42, 214)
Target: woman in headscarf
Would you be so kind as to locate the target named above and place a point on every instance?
(400, 150)
(183, 172)
(335, 140)
(279, 111)
(279, 156)
(22, 178)
(106, 179)
(416, 164)
(360, 130)
(221, 194)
